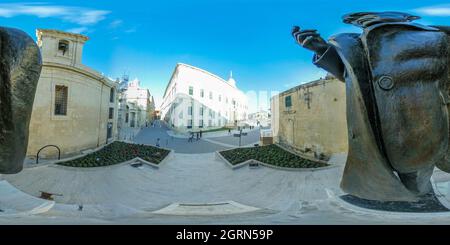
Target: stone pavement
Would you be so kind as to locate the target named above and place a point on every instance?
(182, 145)
(122, 194)
(194, 188)
(14, 202)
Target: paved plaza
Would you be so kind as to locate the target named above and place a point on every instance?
(194, 186)
(210, 142)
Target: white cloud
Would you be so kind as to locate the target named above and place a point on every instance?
(77, 15)
(131, 30)
(78, 30)
(436, 10)
(115, 23)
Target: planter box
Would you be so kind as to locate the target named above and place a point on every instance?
(253, 162)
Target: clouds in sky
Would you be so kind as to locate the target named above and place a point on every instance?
(115, 24)
(76, 15)
(435, 10)
(78, 30)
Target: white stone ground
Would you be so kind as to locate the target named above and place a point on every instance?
(13, 202)
(122, 194)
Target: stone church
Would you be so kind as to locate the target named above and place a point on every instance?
(75, 107)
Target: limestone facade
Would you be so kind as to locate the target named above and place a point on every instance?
(142, 98)
(196, 99)
(311, 118)
(75, 107)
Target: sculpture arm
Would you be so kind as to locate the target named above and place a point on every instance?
(445, 29)
(331, 62)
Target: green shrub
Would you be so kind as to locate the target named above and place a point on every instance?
(270, 154)
(118, 152)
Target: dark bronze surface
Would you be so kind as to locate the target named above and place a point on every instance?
(20, 67)
(396, 75)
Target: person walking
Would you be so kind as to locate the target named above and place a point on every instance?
(201, 133)
(198, 136)
(229, 131)
(191, 136)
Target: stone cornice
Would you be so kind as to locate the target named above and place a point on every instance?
(40, 32)
(89, 73)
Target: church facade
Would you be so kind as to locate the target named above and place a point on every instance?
(75, 107)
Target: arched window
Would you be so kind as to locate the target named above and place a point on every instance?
(63, 47)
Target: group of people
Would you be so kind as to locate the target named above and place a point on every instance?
(198, 136)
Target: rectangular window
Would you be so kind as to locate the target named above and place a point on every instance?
(190, 110)
(200, 123)
(191, 90)
(111, 95)
(61, 93)
(189, 124)
(111, 113)
(209, 122)
(201, 111)
(126, 118)
(202, 93)
(210, 95)
(287, 101)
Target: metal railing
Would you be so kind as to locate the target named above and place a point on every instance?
(59, 152)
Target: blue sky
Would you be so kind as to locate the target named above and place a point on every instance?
(146, 39)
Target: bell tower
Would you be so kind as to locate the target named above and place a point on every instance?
(61, 47)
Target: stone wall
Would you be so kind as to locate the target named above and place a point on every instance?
(84, 126)
(316, 122)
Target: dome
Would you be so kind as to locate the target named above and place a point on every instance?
(231, 80)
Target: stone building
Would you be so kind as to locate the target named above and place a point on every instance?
(311, 118)
(142, 97)
(196, 99)
(136, 108)
(75, 107)
(259, 118)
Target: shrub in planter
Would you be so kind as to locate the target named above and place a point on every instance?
(118, 152)
(270, 154)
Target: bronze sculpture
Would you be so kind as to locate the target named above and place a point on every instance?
(396, 75)
(20, 67)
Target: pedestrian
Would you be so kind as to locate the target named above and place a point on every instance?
(191, 136)
(198, 136)
(229, 131)
(201, 133)
(157, 142)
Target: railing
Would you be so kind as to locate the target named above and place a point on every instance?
(37, 155)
